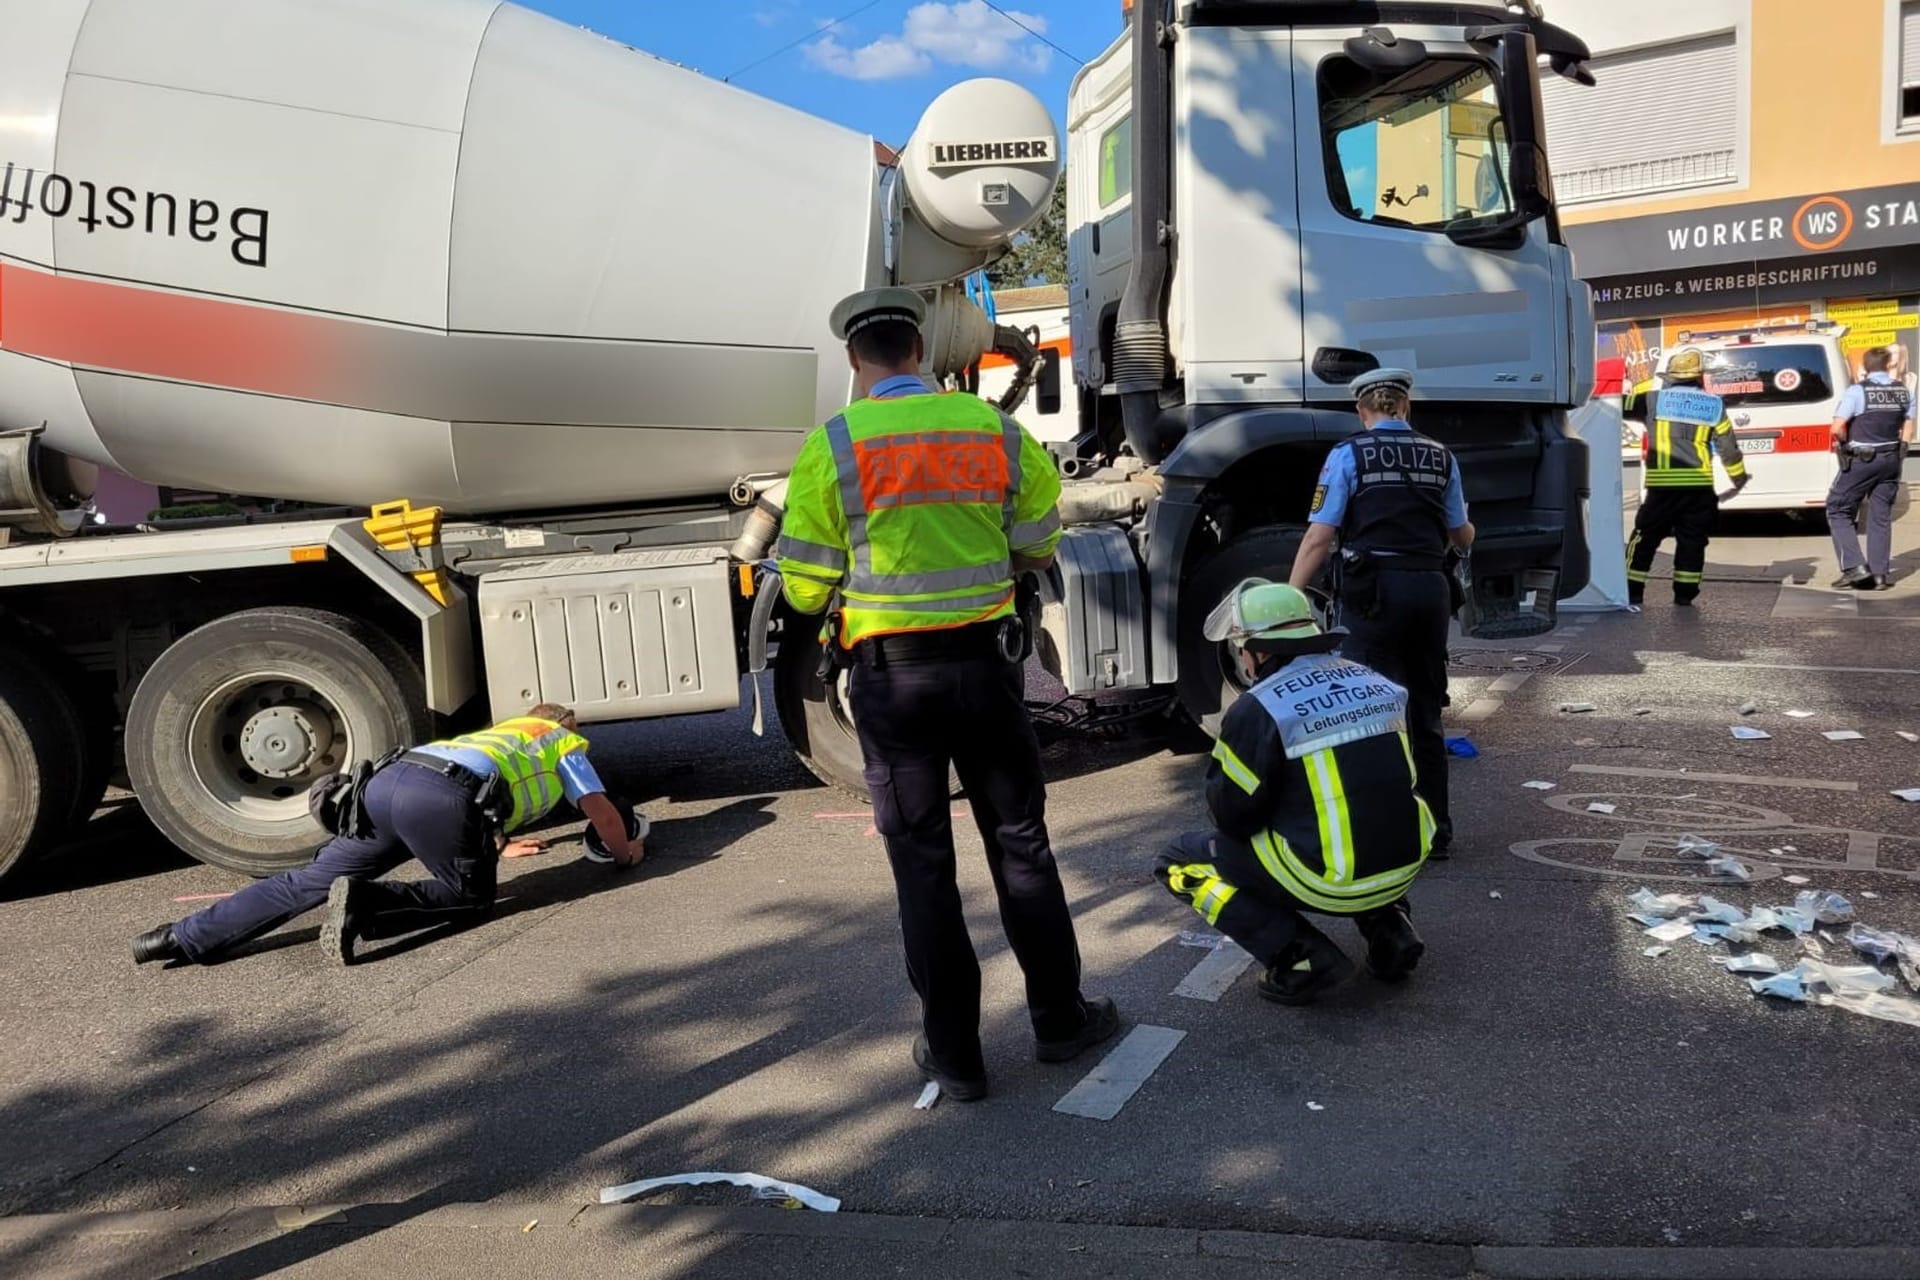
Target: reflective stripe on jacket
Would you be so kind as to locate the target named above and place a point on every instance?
(1679, 452)
(1342, 830)
(527, 752)
(912, 509)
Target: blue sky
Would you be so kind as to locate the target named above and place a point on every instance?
(875, 72)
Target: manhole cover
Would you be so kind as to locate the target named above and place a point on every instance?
(1498, 661)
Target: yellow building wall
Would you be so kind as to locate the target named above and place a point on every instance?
(1819, 104)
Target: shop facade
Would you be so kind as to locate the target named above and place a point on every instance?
(1743, 165)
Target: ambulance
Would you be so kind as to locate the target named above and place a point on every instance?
(1781, 388)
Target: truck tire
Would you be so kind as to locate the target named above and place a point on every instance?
(235, 721)
(41, 758)
(820, 729)
(1208, 682)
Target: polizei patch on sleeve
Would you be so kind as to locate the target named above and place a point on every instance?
(965, 155)
(1319, 499)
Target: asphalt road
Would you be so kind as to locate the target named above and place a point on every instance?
(740, 1003)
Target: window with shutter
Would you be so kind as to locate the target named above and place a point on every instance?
(1664, 118)
(1910, 65)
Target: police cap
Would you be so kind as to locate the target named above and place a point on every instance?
(1399, 379)
(877, 306)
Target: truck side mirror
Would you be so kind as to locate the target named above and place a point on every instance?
(1047, 391)
(1531, 180)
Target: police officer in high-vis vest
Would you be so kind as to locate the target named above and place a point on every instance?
(1686, 427)
(1871, 431)
(909, 517)
(449, 804)
(1312, 792)
(1393, 500)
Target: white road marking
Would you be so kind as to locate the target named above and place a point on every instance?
(1213, 975)
(1481, 708)
(1509, 682)
(1744, 779)
(1791, 666)
(1109, 1086)
(1551, 648)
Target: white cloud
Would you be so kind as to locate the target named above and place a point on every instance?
(887, 58)
(966, 33)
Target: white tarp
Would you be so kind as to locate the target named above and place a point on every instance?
(1599, 423)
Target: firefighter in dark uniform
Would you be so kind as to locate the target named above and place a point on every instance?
(1686, 427)
(909, 518)
(1312, 793)
(1871, 431)
(1392, 499)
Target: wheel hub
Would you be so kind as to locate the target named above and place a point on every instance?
(285, 740)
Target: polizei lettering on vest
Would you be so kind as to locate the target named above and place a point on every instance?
(961, 155)
(1417, 461)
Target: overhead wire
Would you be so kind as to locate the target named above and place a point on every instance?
(812, 34)
(825, 27)
(1037, 35)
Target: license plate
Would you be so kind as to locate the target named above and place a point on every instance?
(1757, 444)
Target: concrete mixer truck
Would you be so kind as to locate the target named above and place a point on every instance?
(525, 326)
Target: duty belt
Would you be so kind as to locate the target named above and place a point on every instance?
(1393, 562)
(1869, 448)
(484, 789)
(912, 648)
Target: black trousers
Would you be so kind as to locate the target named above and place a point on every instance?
(1875, 483)
(1684, 514)
(1405, 640)
(415, 813)
(1260, 915)
(913, 721)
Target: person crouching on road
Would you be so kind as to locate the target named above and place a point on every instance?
(450, 804)
(1311, 787)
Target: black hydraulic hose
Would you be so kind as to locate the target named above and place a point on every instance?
(1016, 346)
(1140, 359)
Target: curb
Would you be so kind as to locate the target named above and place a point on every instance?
(1294, 1254)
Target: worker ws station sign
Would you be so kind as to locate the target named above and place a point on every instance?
(1863, 241)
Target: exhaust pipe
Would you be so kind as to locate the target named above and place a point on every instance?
(1140, 358)
(763, 525)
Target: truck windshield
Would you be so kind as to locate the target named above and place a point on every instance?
(1424, 148)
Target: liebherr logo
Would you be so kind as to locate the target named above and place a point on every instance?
(963, 155)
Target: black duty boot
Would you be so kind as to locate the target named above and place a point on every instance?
(1393, 947)
(1856, 578)
(1103, 1019)
(343, 924)
(1305, 971)
(157, 944)
(959, 1088)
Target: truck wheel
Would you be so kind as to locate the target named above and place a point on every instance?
(1209, 681)
(819, 725)
(235, 721)
(41, 758)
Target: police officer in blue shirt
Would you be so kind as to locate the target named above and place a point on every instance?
(1392, 499)
(1871, 431)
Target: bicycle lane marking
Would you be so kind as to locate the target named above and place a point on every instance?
(1739, 779)
(1634, 853)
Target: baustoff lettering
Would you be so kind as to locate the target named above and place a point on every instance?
(60, 197)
